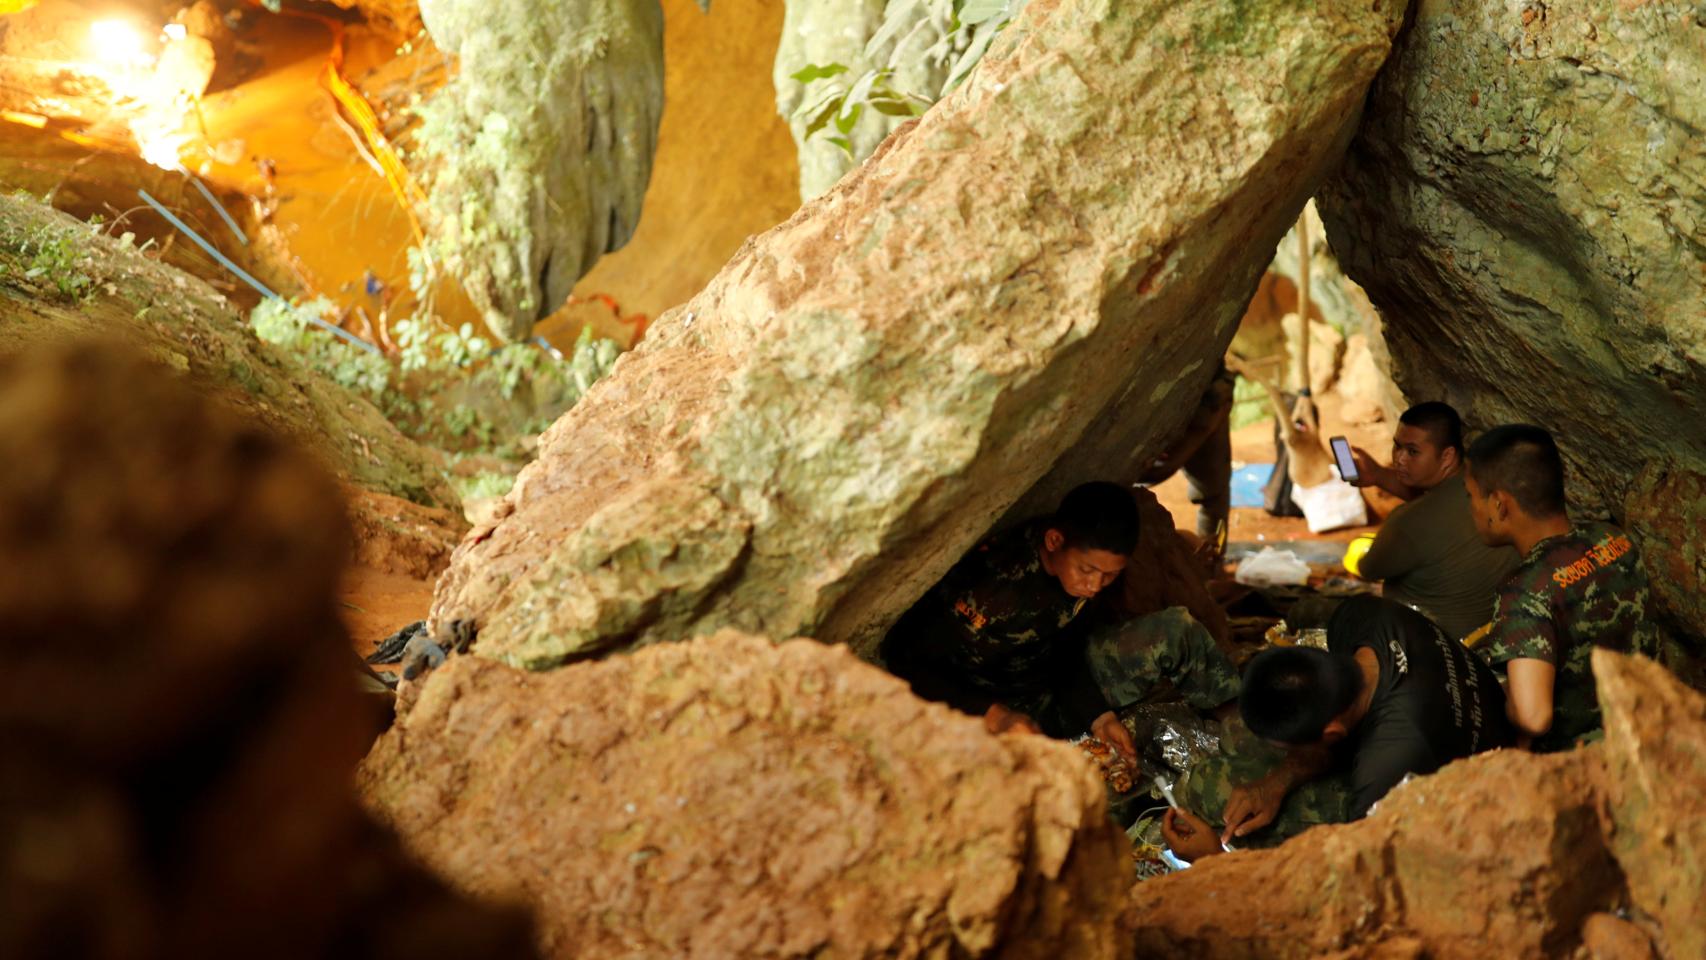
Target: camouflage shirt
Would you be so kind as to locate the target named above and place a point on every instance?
(995, 621)
(1572, 593)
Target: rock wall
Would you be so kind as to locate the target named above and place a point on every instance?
(1506, 854)
(1024, 290)
(1526, 204)
(732, 797)
(537, 153)
(179, 716)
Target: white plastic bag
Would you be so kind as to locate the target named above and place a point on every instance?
(1272, 568)
(1330, 505)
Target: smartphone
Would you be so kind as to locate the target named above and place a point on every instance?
(1347, 464)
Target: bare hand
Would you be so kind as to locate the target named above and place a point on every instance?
(1108, 729)
(1188, 835)
(1000, 718)
(1252, 807)
(1366, 468)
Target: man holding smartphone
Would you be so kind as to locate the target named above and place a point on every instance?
(1428, 552)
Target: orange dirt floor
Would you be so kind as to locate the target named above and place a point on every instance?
(377, 604)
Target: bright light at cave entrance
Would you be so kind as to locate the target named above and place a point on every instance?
(117, 43)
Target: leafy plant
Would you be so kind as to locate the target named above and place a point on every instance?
(54, 258)
(842, 105)
(836, 103)
(289, 324)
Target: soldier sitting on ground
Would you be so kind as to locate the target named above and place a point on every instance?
(1579, 586)
(1427, 552)
(995, 637)
(1391, 696)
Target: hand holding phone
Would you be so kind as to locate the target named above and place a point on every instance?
(1347, 463)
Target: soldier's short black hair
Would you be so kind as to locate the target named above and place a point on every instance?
(1098, 516)
(1290, 694)
(1523, 461)
(1441, 422)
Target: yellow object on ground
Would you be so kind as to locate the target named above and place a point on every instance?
(16, 6)
(1355, 552)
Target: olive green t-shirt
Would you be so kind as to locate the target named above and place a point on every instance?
(1431, 558)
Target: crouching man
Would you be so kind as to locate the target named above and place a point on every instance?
(1001, 635)
(1391, 696)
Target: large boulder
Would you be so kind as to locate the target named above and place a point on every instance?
(1526, 204)
(179, 717)
(1027, 288)
(732, 797)
(536, 154)
(1501, 855)
(1655, 752)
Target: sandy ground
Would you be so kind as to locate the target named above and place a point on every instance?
(377, 604)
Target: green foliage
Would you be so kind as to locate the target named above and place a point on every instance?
(483, 486)
(840, 105)
(50, 256)
(447, 387)
(834, 103)
(290, 325)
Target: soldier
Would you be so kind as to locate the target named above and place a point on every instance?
(1427, 553)
(1193, 829)
(1579, 586)
(1391, 694)
(993, 638)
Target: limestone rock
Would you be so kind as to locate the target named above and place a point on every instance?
(1365, 389)
(814, 439)
(178, 711)
(724, 170)
(1655, 752)
(732, 797)
(1666, 511)
(1499, 855)
(537, 153)
(1526, 204)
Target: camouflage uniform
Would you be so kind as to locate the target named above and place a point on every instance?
(1168, 656)
(1162, 656)
(1204, 788)
(1572, 593)
(1244, 759)
(993, 631)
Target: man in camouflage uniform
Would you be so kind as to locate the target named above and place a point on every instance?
(1206, 787)
(1168, 656)
(996, 637)
(1578, 587)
